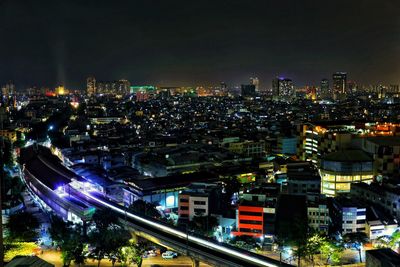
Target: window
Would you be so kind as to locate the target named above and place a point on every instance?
(349, 221)
(197, 211)
(184, 208)
(254, 198)
(199, 202)
(250, 213)
(184, 200)
(360, 221)
(251, 222)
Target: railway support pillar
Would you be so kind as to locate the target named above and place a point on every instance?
(195, 263)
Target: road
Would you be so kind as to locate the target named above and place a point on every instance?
(54, 257)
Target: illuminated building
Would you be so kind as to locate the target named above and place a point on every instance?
(247, 148)
(283, 89)
(9, 134)
(348, 215)
(311, 92)
(316, 141)
(60, 90)
(91, 85)
(302, 179)
(200, 199)
(254, 81)
(385, 151)
(342, 168)
(385, 195)
(255, 215)
(121, 87)
(318, 215)
(52, 187)
(8, 89)
(325, 92)
(339, 85)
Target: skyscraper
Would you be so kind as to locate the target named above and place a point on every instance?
(325, 91)
(339, 85)
(254, 81)
(91, 85)
(283, 89)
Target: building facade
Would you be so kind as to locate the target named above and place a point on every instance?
(342, 168)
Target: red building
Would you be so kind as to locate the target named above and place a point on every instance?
(250, 221)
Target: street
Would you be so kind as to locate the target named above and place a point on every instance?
(54, 257)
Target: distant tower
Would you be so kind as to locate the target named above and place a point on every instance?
(339, 85)
(325, 91)
(254, 81)
(283, 89)
(91, 85)
(124, 87)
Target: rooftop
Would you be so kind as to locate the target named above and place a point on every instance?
(385, 255)
(25, 261)
(347, 156)
(385, 140)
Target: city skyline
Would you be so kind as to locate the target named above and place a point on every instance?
(179, 44)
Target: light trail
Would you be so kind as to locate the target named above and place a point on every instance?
(183, 235)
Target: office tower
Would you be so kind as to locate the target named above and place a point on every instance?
(248, 90)
(339, 85)
(254, 81)
(283, 89)
(91, 85)
(124, 87)
(325, 90)
(8, 89)
(286, 89)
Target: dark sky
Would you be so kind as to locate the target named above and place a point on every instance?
(188, 42)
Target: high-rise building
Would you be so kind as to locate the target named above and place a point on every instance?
(248, 90)
(120, 87)
(283, 89)
(91, 85)
(8, 89)
(254, 81)
(325, 91)
(339, 80)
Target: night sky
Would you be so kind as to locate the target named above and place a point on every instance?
(168, 42)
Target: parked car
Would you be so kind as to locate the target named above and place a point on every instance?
(150, 253)
(169, 255)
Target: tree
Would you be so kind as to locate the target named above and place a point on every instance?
(132, 253)
(314, 243)
(138, 251)
(145, 208)
(22, 227)
(203, 224)
(108, 236)
(358, 239)
(70, 240)
(332, 251)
